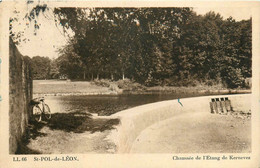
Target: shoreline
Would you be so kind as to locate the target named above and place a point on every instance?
(144, 92)
(104, 87)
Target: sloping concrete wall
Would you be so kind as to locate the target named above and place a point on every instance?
(134, 121)
(20, 94)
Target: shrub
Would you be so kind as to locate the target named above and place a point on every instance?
(102, 82)
(127, 84)
(113, 87)
(233, 78)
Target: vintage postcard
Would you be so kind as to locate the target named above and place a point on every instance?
(129, 84)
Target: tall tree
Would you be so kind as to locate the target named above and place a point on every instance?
(154, 46)
(41, 67)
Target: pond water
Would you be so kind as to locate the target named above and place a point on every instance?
(107, 104)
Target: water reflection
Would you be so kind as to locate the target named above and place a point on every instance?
(105, 104)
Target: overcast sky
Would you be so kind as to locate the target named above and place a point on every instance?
(49, 38)
(237, 13)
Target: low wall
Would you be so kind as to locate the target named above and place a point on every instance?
(20, 94)
(134, 121)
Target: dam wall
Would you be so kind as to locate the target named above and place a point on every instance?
(133, 121)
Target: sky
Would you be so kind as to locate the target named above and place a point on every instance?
(50, 38)
(238, 14)
(46, 42)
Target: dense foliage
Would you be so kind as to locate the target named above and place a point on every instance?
(153, 46)
(156, 46)
(41, 67)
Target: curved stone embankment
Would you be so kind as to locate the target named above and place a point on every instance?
(134, 121)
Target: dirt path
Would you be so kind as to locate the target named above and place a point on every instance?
(68, 133)
(196, 133)
(60, 142)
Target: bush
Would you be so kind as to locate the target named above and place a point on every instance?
(102, 82)
(122, 84)
(175, 81)
(248, 83)
(113, 87)
(233, 78)
(127, 84)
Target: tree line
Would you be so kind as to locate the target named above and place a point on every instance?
(154, 46)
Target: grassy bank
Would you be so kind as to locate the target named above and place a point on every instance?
(106, 87)
(63, 87)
